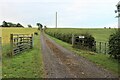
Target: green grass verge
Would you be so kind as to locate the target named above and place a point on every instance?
(26, 65)
(102, 60)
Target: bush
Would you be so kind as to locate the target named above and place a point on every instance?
(114, 45)
(88, 42)
(35, 33)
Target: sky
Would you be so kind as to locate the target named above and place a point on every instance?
(71, 13)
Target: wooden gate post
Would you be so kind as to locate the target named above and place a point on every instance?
(0, 57)
(100, 46)
(105, 47)
(11, 44)
(73, 40)
(32, 41)
(0, 47)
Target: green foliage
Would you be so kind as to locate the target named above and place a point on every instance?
(100, 34)
(99, 59)
(29, 26)
(45, 27)
(40, 26)
(35, 33)
(87, 43)
(19, 25)
(9, 24)
(4, 24)
(114, 45)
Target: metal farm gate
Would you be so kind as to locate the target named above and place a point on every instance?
(21, 42)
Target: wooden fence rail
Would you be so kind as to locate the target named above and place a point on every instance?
(21, 42)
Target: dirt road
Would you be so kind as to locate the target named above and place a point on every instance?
(62, 63)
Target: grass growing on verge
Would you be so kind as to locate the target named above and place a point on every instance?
(99, 59)
(26, 65)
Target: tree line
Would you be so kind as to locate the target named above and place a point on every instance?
(10, 24)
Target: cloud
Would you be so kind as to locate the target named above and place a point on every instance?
(72, 13)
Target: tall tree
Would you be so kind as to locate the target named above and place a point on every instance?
(39, 26)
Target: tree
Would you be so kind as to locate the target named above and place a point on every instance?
(109, 27)
(29, 26)
(19, 25)
(104, 27)
(45, 27)
(114, 45)
(4, 24)
(40, 26)
(10, 24)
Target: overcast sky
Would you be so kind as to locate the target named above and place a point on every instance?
(71, 13)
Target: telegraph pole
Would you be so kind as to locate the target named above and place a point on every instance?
(56, 20)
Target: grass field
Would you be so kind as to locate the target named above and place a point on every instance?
(99, 34)
(7, 31)
(26, 65)
(99, 59)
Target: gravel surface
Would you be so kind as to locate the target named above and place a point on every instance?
(62, 63)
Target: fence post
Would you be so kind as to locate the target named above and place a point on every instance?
(0, 47)
(105, 47)
(100, 47)
(1, 57)
(72, 40)
(11, 44)
(32, 41)
(95, 49)
(0, 44)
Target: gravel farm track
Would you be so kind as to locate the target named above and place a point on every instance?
(62, 63)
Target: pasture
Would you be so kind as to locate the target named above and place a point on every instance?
(25, 65)
(7, 31)
(100, 35)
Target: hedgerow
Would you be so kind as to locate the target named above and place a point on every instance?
(87, 43)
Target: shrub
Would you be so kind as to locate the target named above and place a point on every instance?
(35, 33)
(88, 42)
(114, 45)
